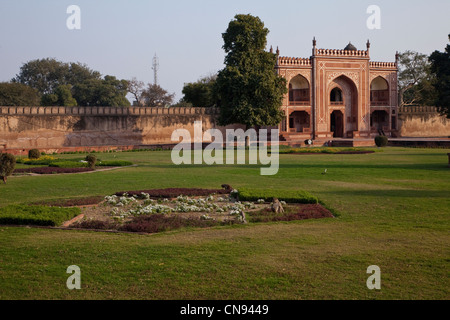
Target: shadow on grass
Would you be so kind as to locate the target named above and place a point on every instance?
(413, 166)
(407, 193)
(433, 167)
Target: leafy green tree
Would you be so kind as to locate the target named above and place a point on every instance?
(249, 90)
(201, 93)
(69, 84)
(61, 97)
(440, 67)
(155, 96)
(17, 94)
(45, 75)
(415, 79)
(97, 92)
(80, 72)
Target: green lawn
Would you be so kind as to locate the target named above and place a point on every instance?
(394, 210)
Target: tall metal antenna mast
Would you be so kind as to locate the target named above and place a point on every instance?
(155, 68)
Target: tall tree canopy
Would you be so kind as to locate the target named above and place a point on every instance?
(70, 84)
(440, 67)
(17, 94)
(62, 96)
(109, 92)
(249, 90)
(201, 93)
(155, 96)
(415, 79)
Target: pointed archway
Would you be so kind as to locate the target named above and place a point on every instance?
(343, 95)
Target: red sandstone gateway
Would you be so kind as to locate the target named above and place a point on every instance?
(338, 94)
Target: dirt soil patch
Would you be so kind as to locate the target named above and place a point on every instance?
(76, 202)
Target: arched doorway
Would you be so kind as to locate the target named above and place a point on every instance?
(379, 92)
(337, 124)
(299, 94)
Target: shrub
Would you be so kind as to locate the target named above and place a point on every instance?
(7, 165)
(381, 141)
(34, 154)
(91, 160)
(290, 196)
(36, 215)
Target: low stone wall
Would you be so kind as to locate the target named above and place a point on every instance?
(423, 122)
(66, 128)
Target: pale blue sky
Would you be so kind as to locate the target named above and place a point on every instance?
(120, 37)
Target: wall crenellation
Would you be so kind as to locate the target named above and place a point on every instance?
(105, 111)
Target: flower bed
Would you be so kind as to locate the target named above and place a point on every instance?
(160, 223)
(292, 213)
(64, 166)
(52, 170)
(138, 212)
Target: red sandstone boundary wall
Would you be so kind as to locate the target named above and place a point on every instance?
(423, 122)
(96, 128)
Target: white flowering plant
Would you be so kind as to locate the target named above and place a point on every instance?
(126, 206)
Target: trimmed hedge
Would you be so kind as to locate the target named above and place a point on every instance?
(52, 170)
(114, 163)
(36, 215)
(68, 164)
(289, 196)
(381, 141)
(34, 154)
(91, 160)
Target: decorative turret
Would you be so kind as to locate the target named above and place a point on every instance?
(314, 46)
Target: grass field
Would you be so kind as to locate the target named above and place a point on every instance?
(394, 210)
